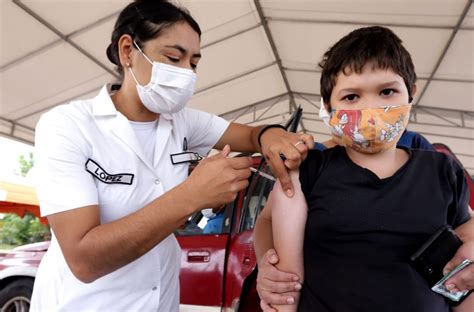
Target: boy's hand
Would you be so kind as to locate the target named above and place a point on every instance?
(464, 280)
(293, 146)
(272, 283)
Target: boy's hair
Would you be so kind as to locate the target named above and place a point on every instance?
(369, 44)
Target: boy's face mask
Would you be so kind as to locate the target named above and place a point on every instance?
(323, 114)
(369, 130)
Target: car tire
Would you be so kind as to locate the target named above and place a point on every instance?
(16, 296)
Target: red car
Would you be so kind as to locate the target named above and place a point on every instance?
(217, 270)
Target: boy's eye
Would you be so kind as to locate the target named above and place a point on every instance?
(193, 66)
(387, 92)
(350, 98)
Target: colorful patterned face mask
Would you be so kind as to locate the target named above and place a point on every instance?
(369, 130)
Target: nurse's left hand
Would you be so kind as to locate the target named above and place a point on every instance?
(293, 147)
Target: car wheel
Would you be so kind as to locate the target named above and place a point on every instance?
(15, 297)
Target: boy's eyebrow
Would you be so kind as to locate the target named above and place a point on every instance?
(182, 50)
(348, 90)
(388, 84)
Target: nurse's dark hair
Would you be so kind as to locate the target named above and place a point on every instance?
(145, 20)
(375, 44)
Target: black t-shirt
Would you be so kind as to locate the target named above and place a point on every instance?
(362, 230)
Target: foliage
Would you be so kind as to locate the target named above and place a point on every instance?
(26, 164)
(18, 231)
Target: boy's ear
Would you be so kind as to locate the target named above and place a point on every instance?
(413, 93)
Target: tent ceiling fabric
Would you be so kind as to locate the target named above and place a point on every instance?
(259, 59)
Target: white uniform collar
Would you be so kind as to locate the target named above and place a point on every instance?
(103, 106)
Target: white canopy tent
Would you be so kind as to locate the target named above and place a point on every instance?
(259, 59)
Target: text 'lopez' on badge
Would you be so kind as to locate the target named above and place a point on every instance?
(97, 171)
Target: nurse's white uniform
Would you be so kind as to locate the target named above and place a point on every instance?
(88, 154)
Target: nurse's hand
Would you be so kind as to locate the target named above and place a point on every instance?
(217, 180)
(293, 146)
(272, 284)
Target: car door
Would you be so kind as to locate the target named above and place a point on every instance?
(203, 262)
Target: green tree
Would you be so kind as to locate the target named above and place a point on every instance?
(18, 231)
(26, 164)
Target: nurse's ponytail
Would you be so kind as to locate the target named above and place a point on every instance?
(145, 20)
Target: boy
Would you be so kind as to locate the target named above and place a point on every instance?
(370, 204)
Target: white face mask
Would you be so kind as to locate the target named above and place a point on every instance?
(169, 89)
(208, 213)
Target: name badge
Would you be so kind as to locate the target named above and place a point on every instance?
(97, 171)
(185, 157)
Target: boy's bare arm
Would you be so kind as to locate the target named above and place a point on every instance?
(262, 233)
(271, 283)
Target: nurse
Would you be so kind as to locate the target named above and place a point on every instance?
(114, 170)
